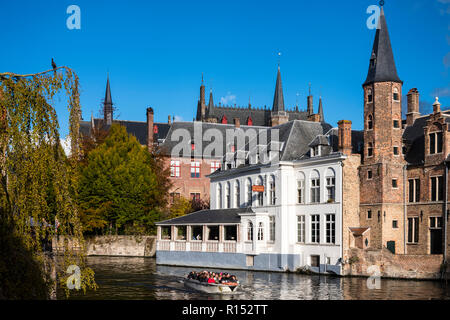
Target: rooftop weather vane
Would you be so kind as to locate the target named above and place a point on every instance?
(279, 57)
(381, 2)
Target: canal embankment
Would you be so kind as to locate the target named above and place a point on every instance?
(112, 245)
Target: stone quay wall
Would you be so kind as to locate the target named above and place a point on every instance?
(420, 267)
(115, 246)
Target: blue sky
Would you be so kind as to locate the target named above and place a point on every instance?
(156, 51)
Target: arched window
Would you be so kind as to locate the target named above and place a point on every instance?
(315, 187)
(219, 196)
(237, 194)
(260, 195)
(396, 95)
(370, 122)
(331, 185)
(228, 196)
(369, 95)
(370, 149)
(249, 192)
(260, 231)
(250, 231)
(272, 194)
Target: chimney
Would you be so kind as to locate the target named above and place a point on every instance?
(436, 106)
(345, 137)
(314, 117)
(150, 116)
(413, 106)
(310, 105)
(237, 122)
(169, 121)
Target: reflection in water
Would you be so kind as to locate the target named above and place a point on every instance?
(141, 278)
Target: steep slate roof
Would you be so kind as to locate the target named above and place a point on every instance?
(189, 127)
(300, 135)
(136, 128)
(382, 64)
(209, 217)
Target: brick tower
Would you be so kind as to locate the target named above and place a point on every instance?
(382, 170)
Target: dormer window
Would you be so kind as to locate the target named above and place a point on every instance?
(435, 142)
(396, 95)
(315, 151)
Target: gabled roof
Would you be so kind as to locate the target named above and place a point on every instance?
(136, 128)
(415, 140)
(382, 64)
(222, 216)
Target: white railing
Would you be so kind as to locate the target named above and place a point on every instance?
(229, 247)
(196, 246)
(180, 246)
(212, 246)
(199, 246)
(164, 245)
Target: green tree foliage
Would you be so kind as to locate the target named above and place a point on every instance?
(180, 207)
(38, 182)
(119, 188)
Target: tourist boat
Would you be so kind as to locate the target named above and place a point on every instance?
(219, 288)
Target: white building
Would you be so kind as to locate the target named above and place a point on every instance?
(276, 216)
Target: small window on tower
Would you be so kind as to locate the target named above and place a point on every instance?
(394, 184)
(395, 151)
(370, 150)
(370, 122)
(396, 95)
(369, 175)
(396, 124)
(369, 96)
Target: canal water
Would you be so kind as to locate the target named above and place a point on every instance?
(141, 278)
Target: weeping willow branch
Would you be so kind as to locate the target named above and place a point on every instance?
(4, 74)
(39, 183)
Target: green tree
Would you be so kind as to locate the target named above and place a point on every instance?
(180, 207)
(119, 188)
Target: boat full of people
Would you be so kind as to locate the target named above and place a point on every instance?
(212, 282)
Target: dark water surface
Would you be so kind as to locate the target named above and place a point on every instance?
(141, 278)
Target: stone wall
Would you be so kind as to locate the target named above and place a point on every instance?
(121, 246)
(393, 266)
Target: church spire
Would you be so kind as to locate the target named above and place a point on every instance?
(278, 100)
(382, 64)
(322, 118)
(211, 102)
(108, 105)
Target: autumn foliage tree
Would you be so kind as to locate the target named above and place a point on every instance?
(120, 189)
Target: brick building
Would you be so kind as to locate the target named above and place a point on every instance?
(403, 171)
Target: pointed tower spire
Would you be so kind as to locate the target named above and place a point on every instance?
(211, 102)
(108, 104)
(382, 64)
(278, 100)
(322, 118)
